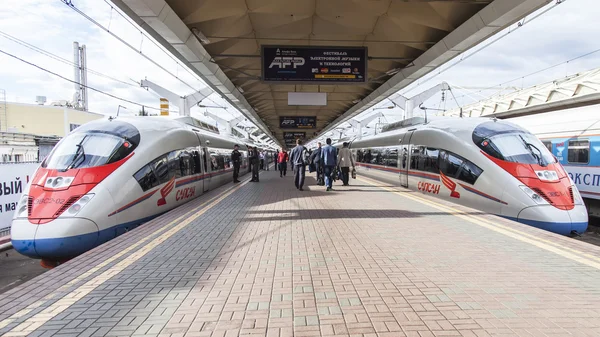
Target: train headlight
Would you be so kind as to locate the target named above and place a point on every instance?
(22, 207)
(74, 209)
(547, 175)
(533, 195)
(58, 182)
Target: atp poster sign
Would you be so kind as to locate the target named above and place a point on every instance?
(310, 64)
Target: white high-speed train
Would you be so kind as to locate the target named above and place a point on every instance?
(109, 176)
(490, 165)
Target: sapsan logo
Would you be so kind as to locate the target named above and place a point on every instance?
(164, 192)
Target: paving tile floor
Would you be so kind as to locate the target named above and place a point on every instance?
(264, 259)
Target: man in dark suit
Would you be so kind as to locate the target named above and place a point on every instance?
(315, 159)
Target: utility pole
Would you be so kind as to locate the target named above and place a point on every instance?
(80, 98)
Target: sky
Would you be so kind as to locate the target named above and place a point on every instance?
(565, 32)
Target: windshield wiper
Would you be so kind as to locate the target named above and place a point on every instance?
(530, 147)
(80, 153)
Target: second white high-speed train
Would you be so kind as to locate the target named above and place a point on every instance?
(109, 176)
(487, 164)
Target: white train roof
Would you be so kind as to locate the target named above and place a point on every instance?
(459, 127)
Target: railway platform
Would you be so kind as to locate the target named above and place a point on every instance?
(370, 259)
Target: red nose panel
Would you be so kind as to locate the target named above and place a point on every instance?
(48, 203)
(557, 193)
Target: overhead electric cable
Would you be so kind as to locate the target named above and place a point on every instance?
(75, 82)
(58, 58)
(519, 25)
(139, 51)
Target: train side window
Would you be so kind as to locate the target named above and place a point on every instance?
(548, 145)
(161, 168)
(449, 163)
(431, 160)
(186, 164)
(391, 158)
(227, 160)
(146, 178)
(579, 151)
(175, 164)
(221, 162)
(469, 172)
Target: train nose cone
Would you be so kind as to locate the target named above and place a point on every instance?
(65, 238)
(57, 239)
(22, 233)
(551, 219)
(579, 219)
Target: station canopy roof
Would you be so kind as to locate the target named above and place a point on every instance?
(406, 39)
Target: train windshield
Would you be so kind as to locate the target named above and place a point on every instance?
(507, 142)
(83, 149)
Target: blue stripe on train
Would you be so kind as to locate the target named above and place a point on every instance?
(66, 247)
(564, 228)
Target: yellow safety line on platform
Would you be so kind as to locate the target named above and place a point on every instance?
(559, 249)
(34, 322)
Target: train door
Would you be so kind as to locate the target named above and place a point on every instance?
(207, 169)
(404, 158)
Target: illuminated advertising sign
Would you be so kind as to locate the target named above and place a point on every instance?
(334, 65)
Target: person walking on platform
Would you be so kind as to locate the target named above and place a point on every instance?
(299, 158)
(236, 159)
(254, 162)
(315, 159)
(282, 161)
(345, 161)
(329, 161)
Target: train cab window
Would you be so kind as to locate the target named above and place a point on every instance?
(510, 143)
(579, 151)
(146, 178)
(161, 169)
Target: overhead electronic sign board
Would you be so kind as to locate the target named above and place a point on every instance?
(294, 135)
(290, 137)
(298, 122)
(314, 64)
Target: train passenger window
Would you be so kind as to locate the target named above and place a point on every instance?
(391, 158)
(469, 172)
(146, 178)
(176, 168)
(431, 160)
(579, 151)
(449, 164)
(161, 169)
(367, 157)
(227, 160)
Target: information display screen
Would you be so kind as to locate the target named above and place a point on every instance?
(298, 122)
